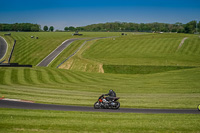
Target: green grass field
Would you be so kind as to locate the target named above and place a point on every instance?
(167, 86)
(31, 51)
(173, 89)
(15, 120)
(150, 49)
(146, 71)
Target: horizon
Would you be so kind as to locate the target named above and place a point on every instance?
(79, 13)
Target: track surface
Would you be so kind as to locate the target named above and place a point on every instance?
(26, 105)
(55, 53)
(3, 47)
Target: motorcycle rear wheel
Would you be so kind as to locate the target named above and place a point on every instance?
(97, 105)
(116, 106)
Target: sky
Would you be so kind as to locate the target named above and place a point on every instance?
(62, 13)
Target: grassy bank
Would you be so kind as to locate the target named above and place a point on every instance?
(173, 89)
(150, 49)
(31, 51)
(168, 83)
(16, 120)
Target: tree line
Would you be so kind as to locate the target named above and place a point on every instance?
(20, 27)
(189, 27)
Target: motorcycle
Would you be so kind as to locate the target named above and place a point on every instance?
(105, 104)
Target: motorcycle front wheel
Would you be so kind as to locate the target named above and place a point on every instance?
(96, 105)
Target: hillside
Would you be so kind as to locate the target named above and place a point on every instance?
(133, 52)
(31, 51)
(171, 83)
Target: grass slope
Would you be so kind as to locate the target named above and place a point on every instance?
(177, 88)
(174, 89)
(31, 51)
(78, 63)
(150, 49)
(144, 51)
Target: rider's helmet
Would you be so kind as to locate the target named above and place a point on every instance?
(110, 91)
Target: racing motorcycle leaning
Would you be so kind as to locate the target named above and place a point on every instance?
(105, 104)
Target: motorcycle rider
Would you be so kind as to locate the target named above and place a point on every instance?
(111, 94)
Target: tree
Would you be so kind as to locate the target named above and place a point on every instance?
(45, 28)
(71, 28)
(190, 27)
(79, 28)
(66, 28)
(34, 28)
(51, 28)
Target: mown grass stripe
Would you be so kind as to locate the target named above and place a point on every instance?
(28, 76)
(64, 76)
(39, 76)
(58, 77)
(20, 75)
(52, 76)
(7, 76)
(14, 76)
(44, 76)
(2, 77)
(75, 77)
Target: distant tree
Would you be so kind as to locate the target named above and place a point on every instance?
(57, 30)
(1, 27)
(79, 28)
(34, 28)
(190, 27)
(71, 28)
(51, 28)
(45, 28)
(66, 28)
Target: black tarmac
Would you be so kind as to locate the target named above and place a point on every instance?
(46, 61)
(38, 106)
(3, 47)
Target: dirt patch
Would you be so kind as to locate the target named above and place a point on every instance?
(101, 70)
(180, 45)
(67, 65)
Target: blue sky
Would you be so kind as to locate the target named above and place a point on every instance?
(62, 13)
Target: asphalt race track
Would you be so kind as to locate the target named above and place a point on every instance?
(27, 105)
(46, 61)
(3, 47)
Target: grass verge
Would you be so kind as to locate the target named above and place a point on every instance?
(18, 120)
